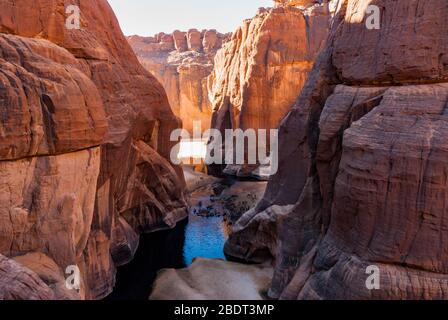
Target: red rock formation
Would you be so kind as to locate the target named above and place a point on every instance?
(20, 283)
(302, 3)
(259, 73)
(182, 62)
(363, 164)
(84, 148)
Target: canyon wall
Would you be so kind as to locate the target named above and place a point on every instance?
(83, 151)
(259, 73)
(182, 61)
(363, 164)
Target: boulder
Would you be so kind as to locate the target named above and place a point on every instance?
(20, 283)
(213, 279)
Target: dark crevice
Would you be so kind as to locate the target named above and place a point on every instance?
(48, 109)
(156, 251)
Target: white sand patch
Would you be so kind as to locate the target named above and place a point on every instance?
(213, 279)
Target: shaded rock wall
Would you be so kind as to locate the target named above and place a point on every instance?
(260, 71)
(83, 150)
(363, 164)
(182, 61)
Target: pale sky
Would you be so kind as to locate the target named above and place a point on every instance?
(148, 17)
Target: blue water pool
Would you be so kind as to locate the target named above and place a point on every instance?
(204, 237)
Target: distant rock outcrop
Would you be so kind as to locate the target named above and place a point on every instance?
(363, 167)
(182, 61)
(301, 3)
(83, 150)
(259, 73)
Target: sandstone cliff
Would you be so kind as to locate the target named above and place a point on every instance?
(363, 164)
(259, 73)
(182, 61)
(298, 3)
(83, 151)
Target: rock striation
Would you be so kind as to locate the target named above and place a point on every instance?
(84, 151)
(363, 164)
(182, 61)
(20, 283)
(260, 71)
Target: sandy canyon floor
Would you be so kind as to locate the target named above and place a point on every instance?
(214, 205)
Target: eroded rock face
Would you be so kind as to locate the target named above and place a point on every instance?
(182, 61)
(363, 165)
(84, 147)
(20, 283)
(50, 273)
(260, 71)
(37, 76)
(33, 276)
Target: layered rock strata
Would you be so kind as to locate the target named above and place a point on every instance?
(363, 164)
(83, 150)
